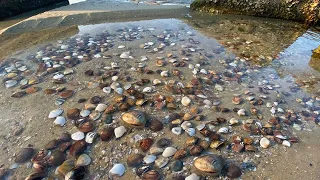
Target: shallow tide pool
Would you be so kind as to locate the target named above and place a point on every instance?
(143, 90)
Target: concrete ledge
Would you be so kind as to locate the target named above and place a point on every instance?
(91, 12)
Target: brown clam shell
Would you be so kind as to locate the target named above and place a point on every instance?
(135, 160)
(233, 171)
(77, 148)
(18, 94)
(66, 94)
(57, 158)
(196, 150)
(181, 153)
(73, 113)
(237, 147)
(86, 126)
(24, 155)
(134, 118)
(145, 144)
(155, 125)
(107, 134)
(151, 175)
(32, 89)
(209, 164)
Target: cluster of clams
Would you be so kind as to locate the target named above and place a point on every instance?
(186, 99)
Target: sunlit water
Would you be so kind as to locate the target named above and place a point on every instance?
(183, 47)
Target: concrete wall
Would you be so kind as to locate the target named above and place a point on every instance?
(10, 8)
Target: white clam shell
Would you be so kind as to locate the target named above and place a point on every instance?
(68, 71)
(121, 46)
(119, 91)
(176, 130)
(77, 136)
(157, 81)
(233, 121)
(90, 137)
(161, 162)
(126, 55)
(114, 85)
(264, 142)
(117, 169)
(60, 120)
(120, 131)
(286, 143)
(107, 90)
(24, 82)
(192, 176)
(201, 126)
(191, 131)
(149, 159)
(101, 107)
(169, 151)
(223, 130)
(164, 74)
(155, 150)
(241, 112)
(185, 125)
(85, 113)
(55, 113)
(10, 83)
(58, 76)
(185, 101)
(148, 90)
(83, 160)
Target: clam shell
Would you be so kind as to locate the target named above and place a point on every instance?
(60, 120)
(95, 115)
(65, 167)
(55, 113)
(106, 134)
(233, 121)
(191, 131)
(286, 143)
(107, 90)
(151, 175)
(90, 137)
(264, 142)
(117, 170)
(149, 159)
(73, 113)
(101, 107)
(66, 94)
(10, 83)
(24, 155)
(77, 148)
(77, 136)
(120, 131)
(85, 113)
(134, 160)
(155, 150)
(155, 125)
(192, 176)
(161, 162)
(233, 171)
(169, 151)
(134, 118)
(223, 130)
(83, 160)
(145, 144)
(209, 164)
(185, 101)
(58, 76)
(57, 158)
(32, 90)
